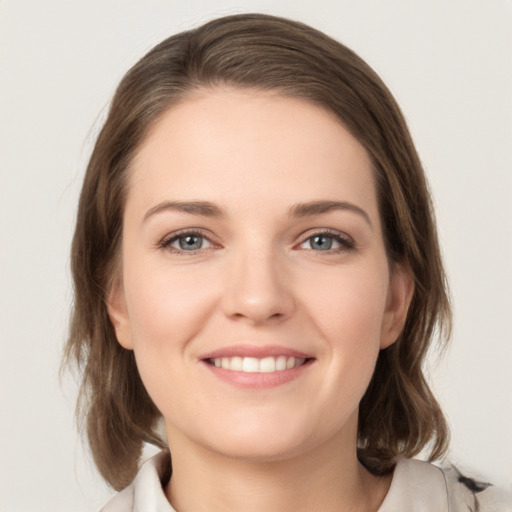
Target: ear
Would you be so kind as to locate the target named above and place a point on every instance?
(400, 292)
(118, 313)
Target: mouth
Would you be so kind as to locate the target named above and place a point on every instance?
(252, 367)
(270, 364)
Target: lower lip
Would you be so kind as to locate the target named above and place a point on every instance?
(258, 380)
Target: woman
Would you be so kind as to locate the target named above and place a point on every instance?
(256, 263)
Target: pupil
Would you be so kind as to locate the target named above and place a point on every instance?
(323, 243)
(191, 242)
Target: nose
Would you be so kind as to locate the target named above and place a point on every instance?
(258, 288)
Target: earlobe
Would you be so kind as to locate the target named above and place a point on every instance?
(118, 313)
(400, 293)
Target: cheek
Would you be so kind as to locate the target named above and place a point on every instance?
(349, 316)
(166, 308)
(351, 308)
(167, 311)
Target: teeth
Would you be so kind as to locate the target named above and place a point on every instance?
(281, 363)
(235, 363)
(255, 365)
(268, 364)
(251, 365)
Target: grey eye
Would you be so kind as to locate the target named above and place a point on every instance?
(190, 242)
(327, 242)
(320, 242)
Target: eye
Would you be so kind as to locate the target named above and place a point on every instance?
(327, 241)
(190, 242)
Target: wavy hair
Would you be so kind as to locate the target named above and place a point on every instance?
(399, 416)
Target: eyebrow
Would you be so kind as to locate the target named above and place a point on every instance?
(319, 207)
(207, 209)
(203, 208)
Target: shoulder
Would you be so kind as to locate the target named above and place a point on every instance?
(467, 493)
(416, 486)
(419, 486)
(145, 493)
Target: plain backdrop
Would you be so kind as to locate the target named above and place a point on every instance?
(449, 64)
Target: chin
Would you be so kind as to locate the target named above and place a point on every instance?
(261, 449)
(265, 441)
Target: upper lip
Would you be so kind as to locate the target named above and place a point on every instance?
(257, 351)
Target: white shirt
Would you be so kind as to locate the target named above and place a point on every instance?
(417, 486)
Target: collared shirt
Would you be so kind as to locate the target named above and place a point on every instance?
(417, 486)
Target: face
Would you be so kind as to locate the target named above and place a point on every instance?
(255, 289)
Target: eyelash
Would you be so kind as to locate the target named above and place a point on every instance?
(347, 244)
(166, 242)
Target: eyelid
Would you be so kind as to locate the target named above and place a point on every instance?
(167, 240)
(346, 241)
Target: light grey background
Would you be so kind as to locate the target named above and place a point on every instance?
(449, 63)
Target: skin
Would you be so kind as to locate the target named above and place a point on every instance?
(258, 280)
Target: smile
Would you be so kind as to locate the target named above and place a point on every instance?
(252, 367)
(256, 365)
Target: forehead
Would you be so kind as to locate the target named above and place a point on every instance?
(247, 146)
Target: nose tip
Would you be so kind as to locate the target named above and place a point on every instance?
(258, 292)
(257, 311)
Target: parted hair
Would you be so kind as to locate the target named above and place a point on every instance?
(399, 416)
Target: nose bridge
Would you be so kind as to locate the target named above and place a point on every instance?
(256, 287)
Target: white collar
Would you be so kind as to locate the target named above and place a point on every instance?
(416, 487)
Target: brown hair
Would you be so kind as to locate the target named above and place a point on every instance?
(398, 414)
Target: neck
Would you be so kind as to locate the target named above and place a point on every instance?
(327, 478)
